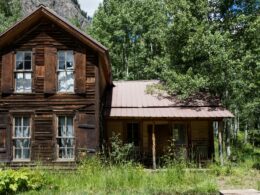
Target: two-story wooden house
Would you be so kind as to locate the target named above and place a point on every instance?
(54, 80)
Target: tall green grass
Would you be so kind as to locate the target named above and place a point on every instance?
(93, 177)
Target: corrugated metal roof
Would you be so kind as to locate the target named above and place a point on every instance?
(131, 99)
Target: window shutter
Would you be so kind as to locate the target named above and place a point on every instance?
(3, 120)
(50, 62)
(7, 73)
(80, 72)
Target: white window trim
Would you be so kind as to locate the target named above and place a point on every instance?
(70, 137)
(14, 138)
(24, 72)
(65, 70)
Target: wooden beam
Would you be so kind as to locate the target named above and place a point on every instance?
(154, 147)
(220, 147)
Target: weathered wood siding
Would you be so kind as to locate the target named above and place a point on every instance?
(44, 104)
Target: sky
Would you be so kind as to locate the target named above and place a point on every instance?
(89, 6)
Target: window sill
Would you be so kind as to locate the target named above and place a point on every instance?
(21, 160)
(24, 93)
(2, 150)
(65, 160)
(65, 93)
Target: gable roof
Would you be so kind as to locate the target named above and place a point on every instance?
(131, 99)
(7, 37)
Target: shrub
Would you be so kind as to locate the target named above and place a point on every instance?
(174, 155)
(13, 181)
(119, 152)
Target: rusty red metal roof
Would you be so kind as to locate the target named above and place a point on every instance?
(134, 99)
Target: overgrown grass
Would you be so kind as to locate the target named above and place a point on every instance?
(95, 178)
(119, 176)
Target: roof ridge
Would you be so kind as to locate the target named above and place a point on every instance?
(152, 80)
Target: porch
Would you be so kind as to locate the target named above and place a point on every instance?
(152, 139)
(149, 117)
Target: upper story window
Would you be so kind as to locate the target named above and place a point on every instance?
(23, 72)
(65, 71)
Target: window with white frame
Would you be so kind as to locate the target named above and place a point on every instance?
(65, 71)
(21, 138)
(23, 72)
(65, 138)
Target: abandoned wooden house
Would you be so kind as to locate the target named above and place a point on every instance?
(57, 96)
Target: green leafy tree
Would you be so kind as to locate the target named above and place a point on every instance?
(134, 30)
(10, 12)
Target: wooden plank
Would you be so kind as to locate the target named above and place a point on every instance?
(50, 59)
(80, 72)
(7, 73)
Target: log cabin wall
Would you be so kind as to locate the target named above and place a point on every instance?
(44, 104)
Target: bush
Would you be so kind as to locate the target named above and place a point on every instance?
(174, 155)
(13, 181)
(119, 152)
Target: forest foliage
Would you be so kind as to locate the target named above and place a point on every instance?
(191, 46)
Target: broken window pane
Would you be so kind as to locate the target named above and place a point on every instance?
(65, 73)
(19, 65)
(27, 65)
(28, 56)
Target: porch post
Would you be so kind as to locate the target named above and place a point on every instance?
(220, 147)
(154, 147)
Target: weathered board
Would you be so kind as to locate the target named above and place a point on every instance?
(44, 103)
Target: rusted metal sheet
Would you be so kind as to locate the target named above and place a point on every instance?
(134, 99)
(178, 112)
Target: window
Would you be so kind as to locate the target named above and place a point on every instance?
(65, 71)
(133, 133)
(179, 133)
(22, 138)
(2, 139)
(65, 137)
(23, 72)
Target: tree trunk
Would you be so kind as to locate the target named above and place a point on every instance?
(246, 133)
(220, 147)
(154, 148)
(228, 139)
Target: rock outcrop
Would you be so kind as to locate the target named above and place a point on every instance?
(68, 9)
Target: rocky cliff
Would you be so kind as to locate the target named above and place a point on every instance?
(68, 9)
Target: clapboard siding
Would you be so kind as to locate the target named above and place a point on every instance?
(44, 103)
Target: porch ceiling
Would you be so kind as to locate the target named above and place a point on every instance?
(132, 99)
